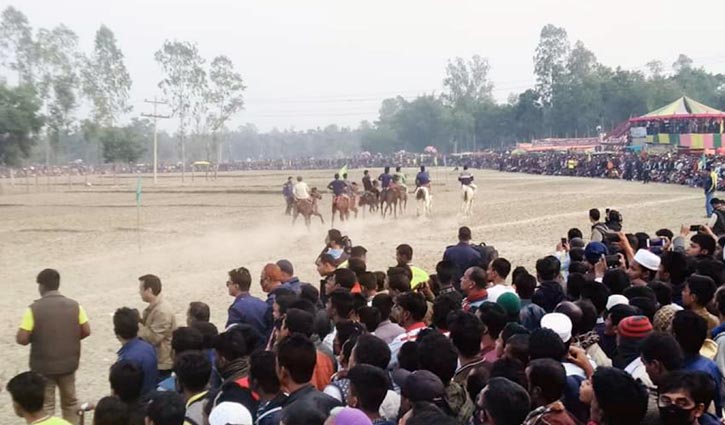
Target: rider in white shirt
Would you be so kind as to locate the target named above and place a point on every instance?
(466, 178)
(301, 190)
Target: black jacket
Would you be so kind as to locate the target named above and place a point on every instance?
(309, 395)
(548, 295)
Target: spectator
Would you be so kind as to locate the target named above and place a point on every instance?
(192, 369)
(549, 292)
(661, 354)
(685, 397)
(386, 330)
(368, 389)
(410, 309)
(157, 323)
(110, 411)
(494, 318)
(502, 402)
(295, 366)
(617, 399)
(631, 331)
(197, 312)
(246, 308)
(182, 339)
(404, 256)
(643, 267)
(165, 408)
(263, 381)
(445, 271)
(462, 255)
(420, 386)
(300, 321)
(28, 391)
(599, 229)
(698, 292)
(547, 382)
(289, 280)
(126, 381)
(54, 327)
(133, 348)
(497, 273)
(473, 284)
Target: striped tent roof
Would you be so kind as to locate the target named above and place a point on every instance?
(683, 107)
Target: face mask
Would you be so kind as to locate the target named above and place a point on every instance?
(336, 253)
(673, 415)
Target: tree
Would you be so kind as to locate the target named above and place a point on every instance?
(225, 95)
(57, 61)
(20, 121)
(122, 144)
(581, 61)
(550, 59)
(682, 63)
(467, 83)
(106, 81)
(655, 68)
(183, 80)
(16, 44)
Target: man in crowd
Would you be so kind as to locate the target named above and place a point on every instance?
(549, 293)
(165, 408)
(409, 310)
(497, 273)
(246, 308)
(368, 388)
(133, 348)
(28, 391)
(54, 327)
(502, 402)
(197, 312)
(599, 229)
(193, 370)
(462, 255)
(473, 284)
(289, 280)
(386, 330)
(547, 382)
(157, 323)
(698, 292)
(126, 380)
(404, 256)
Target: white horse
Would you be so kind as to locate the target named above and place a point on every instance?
(467, 192)
(424, 200)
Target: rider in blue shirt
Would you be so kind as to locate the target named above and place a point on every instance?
(422, 179)
(385, 178)
(337, 186)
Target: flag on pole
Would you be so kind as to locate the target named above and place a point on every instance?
(343, 170)
(138, 192)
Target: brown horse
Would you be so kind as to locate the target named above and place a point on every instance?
(370, 200)
(341, 204)
(308, 208)
(389, 200)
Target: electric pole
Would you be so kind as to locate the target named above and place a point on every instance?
(155, 116)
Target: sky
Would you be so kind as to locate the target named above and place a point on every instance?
(311, 63)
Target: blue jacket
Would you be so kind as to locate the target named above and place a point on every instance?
(143, 355)
(293, 284)
(422, 178)
(338, 187)
(463, 255)
(250, 310)
(385, 180)
(703, 364)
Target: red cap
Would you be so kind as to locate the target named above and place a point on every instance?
(634, 327)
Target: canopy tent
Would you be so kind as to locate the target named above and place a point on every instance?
(683, 107)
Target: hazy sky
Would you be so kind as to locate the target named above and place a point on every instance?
(309, 63)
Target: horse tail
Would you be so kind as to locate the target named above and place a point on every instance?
(420, 194)
(465, 196)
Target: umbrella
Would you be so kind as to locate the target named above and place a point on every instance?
(517, 152)
(430, 149)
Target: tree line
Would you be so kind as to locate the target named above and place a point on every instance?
(48, 78)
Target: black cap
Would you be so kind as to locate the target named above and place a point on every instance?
(421, 385)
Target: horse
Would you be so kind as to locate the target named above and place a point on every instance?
(370, 200)
(403, 204)
(308, 208)
(340, 204)
(389, 201)
(467, 192)
(424, 198)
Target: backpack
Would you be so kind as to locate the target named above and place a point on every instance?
(486, 252)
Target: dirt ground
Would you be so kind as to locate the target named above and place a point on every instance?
(191, 234)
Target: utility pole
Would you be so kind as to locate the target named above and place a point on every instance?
(155, 116)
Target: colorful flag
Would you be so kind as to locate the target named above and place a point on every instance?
(138, 192)
(343, 170)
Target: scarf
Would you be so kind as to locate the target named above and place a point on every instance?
(235, 369)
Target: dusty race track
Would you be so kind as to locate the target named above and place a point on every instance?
(191, 234)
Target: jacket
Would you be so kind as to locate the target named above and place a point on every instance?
(463, 255)
(157, 325)
(310, 396)
(548, 295)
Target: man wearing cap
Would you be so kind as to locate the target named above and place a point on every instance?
(289, 280)
(631, 331)
(643, 268)
(463, 255)
(419, 386)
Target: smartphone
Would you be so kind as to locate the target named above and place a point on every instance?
(612, 261)
(657, 242)
(563, 241)
(695, 228)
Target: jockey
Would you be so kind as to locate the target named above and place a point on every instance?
(338, 187)
(466, 178)
(422, 178)
(400, 177)
(301, 191)
(370, 185)
(385, 178)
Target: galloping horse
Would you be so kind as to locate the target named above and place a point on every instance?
(308, 208)
(424, 198)
(389, 201)
(467, 192)
(341, 204)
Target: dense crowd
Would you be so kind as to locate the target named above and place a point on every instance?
(611, 328)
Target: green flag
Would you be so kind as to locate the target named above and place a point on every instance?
(138, 192)
(343, 170)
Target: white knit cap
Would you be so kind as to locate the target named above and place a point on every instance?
(228, 413)
(559, 323)
(616, 299)
(647, 259)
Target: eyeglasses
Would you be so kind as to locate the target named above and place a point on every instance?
(681, 402)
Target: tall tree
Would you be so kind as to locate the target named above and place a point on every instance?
(581, 62)
(225, 96)
(20, 121)
(183, 80)
(122, 145)
(16, 44)
(550, 59)
(467, 82)
(106, 81)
